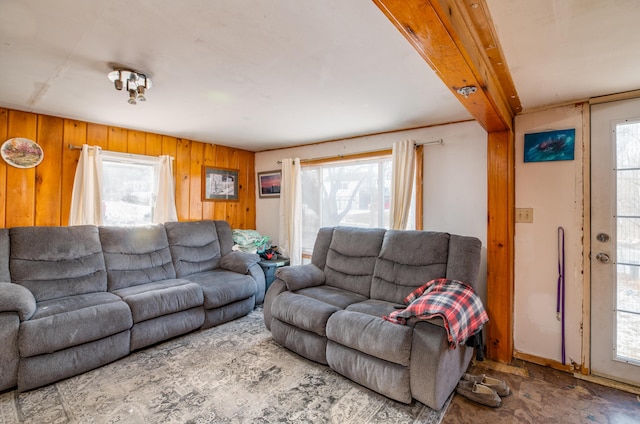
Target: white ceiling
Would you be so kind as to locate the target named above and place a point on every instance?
(565, 50)
(257, 74)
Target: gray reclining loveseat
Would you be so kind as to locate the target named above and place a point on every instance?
(330, 311)
(75, 298)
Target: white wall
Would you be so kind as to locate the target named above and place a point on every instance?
(455, 177)
(455, 200)
(555, 192)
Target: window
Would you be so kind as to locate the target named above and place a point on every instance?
(353, 193)
(129, 185)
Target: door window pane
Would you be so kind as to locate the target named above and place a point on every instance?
(628, 190)
(628, 231)
(627, 145)
(627, 314)
(627, 347)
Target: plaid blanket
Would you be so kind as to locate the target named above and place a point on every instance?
(452, 300)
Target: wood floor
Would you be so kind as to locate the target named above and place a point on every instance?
(547, 396)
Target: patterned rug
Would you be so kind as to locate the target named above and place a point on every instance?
(233, 373)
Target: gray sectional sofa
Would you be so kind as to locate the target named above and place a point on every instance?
(330, 311)
(76, 298)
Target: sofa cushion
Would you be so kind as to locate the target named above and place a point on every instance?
(332, 295)
(407, 260)
(382, 308)
(222, 287)
(321, 246)
(375, 307)
(194, 246)
(303, 312)
(55, 262)
(160, 298)
(371, 335)
(70, 321)
(136, 255)
(351, 258)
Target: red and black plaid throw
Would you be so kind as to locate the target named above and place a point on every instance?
(452, 300)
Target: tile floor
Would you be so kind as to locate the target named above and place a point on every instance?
(547, 396)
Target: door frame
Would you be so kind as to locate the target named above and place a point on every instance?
(586, 316)
(585, 368)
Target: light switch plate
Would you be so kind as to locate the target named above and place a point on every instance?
(524, 215)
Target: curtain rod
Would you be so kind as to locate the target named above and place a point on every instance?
(132, 155)
(426, 143)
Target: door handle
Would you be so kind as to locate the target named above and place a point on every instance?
(603, 258)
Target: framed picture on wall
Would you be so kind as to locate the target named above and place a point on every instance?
(219, 184)
(549, 145)
(269, 184)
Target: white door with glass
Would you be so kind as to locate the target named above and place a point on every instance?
(615, 240)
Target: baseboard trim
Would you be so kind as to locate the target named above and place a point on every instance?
(579, 372)
(609, 383)
(497, 366)
(545, 362)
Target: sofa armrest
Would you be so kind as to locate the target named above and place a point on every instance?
(258, 275)
(239, 262)
(275, 289)
(16, 298)
(435, 368)
(300, 276)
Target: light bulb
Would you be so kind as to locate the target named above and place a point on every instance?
(132, 96)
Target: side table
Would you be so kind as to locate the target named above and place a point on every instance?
(269, 267)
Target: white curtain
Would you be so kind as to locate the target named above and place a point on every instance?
(402, 181)
(290, 237)
(86, 198)
(165, 209)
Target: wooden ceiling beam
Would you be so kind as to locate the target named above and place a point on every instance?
(456, 38)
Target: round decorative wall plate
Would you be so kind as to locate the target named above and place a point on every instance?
(21, 152)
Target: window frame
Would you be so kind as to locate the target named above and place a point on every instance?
(131, 159)
(386, 153)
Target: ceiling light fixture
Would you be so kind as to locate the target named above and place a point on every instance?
(136, 83)
(466, 90)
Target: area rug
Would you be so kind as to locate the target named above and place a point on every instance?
(233, 373)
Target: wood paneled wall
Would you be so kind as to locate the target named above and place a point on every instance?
(42, 195)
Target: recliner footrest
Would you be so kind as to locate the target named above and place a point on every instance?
(371, 335)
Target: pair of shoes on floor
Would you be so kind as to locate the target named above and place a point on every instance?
(498, 385)
(483, 389)
(478, 393)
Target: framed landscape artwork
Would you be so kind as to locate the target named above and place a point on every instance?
(21, 153)
(269, 184)
(219, 184)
